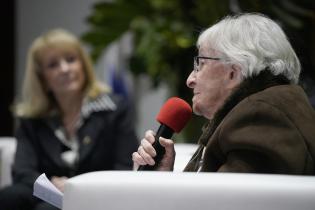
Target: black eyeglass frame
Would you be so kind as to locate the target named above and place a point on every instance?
(196, 61)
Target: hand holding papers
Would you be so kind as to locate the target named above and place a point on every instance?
(46, 191)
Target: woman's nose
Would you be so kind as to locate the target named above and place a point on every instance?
(190, 82)
(64, 65)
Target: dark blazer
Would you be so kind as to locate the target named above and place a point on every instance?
(268, 126)
(106, 142)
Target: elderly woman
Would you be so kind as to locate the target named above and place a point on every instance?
(244, 82)
(69, 123)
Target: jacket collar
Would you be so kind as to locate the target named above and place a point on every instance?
(89, 106)
(248, 87)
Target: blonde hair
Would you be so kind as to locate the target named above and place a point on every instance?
(35, 99)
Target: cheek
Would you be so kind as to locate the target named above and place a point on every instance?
(49, 80)
(77, 72)
(210, 93)
(82, 77)
(80, 69)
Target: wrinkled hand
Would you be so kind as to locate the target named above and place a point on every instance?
(146, 153)
(59, 182)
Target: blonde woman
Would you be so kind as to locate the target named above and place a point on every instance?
(69, 122)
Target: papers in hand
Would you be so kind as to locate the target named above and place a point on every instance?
(46, 191)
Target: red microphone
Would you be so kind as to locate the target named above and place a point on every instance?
(173, 116)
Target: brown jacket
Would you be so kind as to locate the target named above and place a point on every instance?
(266, 129)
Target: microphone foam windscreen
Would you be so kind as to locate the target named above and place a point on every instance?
(175, 113)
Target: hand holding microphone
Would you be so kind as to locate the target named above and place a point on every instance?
(145, 156)
(173, 116)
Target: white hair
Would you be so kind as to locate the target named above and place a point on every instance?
(255, 43)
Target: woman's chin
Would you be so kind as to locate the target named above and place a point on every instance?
(196, 109)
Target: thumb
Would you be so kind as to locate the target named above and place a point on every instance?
(168, 144)
(167, 162)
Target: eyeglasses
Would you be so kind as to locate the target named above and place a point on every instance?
(196, 61)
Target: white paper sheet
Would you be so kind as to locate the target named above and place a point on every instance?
(46, 191)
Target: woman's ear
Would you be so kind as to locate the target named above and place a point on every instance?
(236, 72)
(235, 75)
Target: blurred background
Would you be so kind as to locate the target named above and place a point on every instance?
(143, 48)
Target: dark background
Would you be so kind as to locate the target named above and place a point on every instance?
(7, 66)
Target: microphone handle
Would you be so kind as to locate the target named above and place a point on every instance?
(163, 131)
